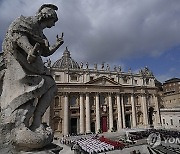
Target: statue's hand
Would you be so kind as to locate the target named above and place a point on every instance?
(59, 40)
(31, 58)
(32, 53)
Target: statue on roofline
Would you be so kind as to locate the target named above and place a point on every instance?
(27, 87)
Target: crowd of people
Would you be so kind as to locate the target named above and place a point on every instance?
(91, 143)
(144, 134)
(115, 144)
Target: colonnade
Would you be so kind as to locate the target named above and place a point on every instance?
(85, 112)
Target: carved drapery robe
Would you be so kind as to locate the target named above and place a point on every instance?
(23, 81)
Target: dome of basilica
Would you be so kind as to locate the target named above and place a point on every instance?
(66, 62)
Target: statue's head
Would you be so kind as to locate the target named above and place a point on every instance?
(47, 12)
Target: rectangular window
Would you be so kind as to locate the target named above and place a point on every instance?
(147, 81)
(56, 113)
(171, 122)
(92, 102)
(91, 78)
(56, 104)
(163, 121)
(135, 81)
(92, 111)
(57, 78)
(73, 78)
(73, 100)
(56, 124)
(74, 112)
(125, 80)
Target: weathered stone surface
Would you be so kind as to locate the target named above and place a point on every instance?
(26, 86)
(49, 149)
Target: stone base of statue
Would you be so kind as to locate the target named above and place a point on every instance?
(49, 149)
(23, 140)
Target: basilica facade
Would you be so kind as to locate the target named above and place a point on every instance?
(100, 99)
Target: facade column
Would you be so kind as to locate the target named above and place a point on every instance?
(88, 116)
(145, 113)
(66, 115)
(157, 116)
(119, 112)
(110, 113)
(81, 114)
(97, 113)
(123, 111)
(133, 111)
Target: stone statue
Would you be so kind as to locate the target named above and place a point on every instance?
(81, 65)
(115, 68)
(87, 65)
(129, 70)
(145, 72)
(95, 66)
(107, 67)
(119, 69)
(102, 66)
(28, 88)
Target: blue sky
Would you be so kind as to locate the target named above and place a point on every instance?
(130, 33)
(164, 66)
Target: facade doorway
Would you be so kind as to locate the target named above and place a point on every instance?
(115, 125)
(92, 127)
(73, 126)
(150, 116)
(104, 123)
(128, 121)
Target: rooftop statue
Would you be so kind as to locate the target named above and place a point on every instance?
(28, 87)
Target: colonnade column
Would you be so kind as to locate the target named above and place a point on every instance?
(145, 113)
(133, 111)
(81, 114)
(88, 121)
(119, 113)
(123, 111)
(66, 115)
(110, 113)
(157, 116)
(97, 113)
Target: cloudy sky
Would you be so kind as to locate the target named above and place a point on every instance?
(130, 33)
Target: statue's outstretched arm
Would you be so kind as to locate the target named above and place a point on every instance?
(53, 48)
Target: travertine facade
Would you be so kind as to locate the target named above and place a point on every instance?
(170, 113)
(100, 99)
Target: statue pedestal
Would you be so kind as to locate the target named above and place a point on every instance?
(49, 149)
